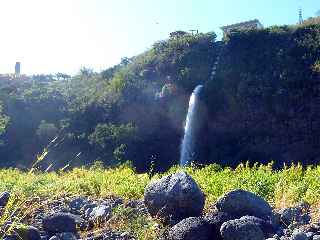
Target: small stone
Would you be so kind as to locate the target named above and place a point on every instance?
(87, 209)
(276, 236)
(284, 238)
(54, 238)
(77, 203)
(316, 237)
(101, 213)
(10, 237)
(124, 234)
(4, 199)
(310, 235)
(293, 215)
(67, 236)
(113, 202)
(297, 235)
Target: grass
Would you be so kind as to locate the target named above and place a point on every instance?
(280, 188)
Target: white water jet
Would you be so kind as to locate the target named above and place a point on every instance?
(192, 128)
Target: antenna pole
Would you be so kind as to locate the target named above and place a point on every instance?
(300, 16)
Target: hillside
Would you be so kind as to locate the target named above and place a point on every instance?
(263, 104)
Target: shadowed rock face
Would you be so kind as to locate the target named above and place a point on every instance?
(241, 230)
(174, 197)
(241, 203)
(193, 228)
(59, 222)
(215, 220)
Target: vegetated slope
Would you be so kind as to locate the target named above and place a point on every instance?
(263, 104)
(265, 99)
(132, 111)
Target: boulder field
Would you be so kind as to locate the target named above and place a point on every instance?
(177, 202)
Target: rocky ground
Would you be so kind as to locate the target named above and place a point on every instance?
(176, 202)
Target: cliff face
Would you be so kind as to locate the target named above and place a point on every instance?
(265, 99)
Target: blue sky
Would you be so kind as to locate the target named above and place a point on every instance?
(50, 36)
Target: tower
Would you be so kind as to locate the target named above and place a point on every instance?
(17, 68)
(300, 16)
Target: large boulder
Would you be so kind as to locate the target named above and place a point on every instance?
(241, 230)
(193, 228)
(59, 223)
(241, 203)
(174, 197)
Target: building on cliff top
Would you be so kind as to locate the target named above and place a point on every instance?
(252, 24)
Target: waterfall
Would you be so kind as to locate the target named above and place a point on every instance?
(192, 130)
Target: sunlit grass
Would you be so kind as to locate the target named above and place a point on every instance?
(281, 188)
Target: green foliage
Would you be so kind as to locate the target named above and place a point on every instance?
(266, 89)
(4, 120)
(109, 134)
(139, 225)
(262, 103)
(46, 131)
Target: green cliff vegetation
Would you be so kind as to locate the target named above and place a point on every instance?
(263, 104)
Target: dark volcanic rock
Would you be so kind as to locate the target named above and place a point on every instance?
(4, 198)
(101, 213)
(77, 203)
(241, 230)
(59, 223)
(265, 226)
(294, 215)
(215, 221)
(193, 228)
(138, 205)
(67, 236)
(108, 234)
(174, 197)
(241, 203)
(27, 233)
(297, 235)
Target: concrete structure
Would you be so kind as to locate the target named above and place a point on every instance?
(253, 24)
(17, 69)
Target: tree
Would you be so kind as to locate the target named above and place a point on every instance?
(62, 76)
(4, 120)
(46, 131)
